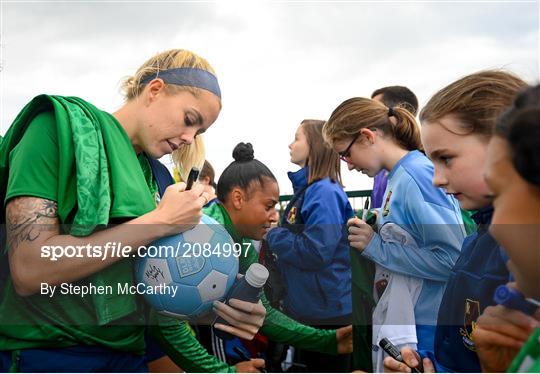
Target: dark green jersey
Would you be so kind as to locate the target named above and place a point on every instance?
(38, 167)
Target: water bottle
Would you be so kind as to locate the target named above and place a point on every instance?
(248, 288)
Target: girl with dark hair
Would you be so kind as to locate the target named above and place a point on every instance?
(420, 227)
(508, 339)
(311, 246)
(247, 196)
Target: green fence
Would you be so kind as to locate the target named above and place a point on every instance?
(357, 199)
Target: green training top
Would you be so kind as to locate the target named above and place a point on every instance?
(80, 157)
(277, 326)
(42, 163)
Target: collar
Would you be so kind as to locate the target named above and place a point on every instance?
(228, 223)
(483, 216)
(299, 178)
(409, 157)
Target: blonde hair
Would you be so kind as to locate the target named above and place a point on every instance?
(357, 113)
(187, 157)
(173, 58)
(477, 100)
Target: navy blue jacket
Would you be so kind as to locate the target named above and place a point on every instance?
(480, 268)
(313, 257)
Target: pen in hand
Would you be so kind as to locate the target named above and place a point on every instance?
(513, 299)
(192, 178)
(393, 352)
(366, 210)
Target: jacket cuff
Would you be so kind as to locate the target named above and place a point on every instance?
(374, 245)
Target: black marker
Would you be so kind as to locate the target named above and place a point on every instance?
(394, 353)
(193, 176)
(366, 210)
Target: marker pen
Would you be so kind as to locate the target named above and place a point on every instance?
(513, 299)
(392, 350)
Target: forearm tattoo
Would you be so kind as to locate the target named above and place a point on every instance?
(28, 217)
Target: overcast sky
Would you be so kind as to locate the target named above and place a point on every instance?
(277, 62)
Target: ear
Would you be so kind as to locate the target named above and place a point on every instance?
(368, 136)
(237, 198)
(154, 89)
(205, 180)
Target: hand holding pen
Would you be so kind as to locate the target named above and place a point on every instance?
(360, 233)
(405, 361)
(501, 330)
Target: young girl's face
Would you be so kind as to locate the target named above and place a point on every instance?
(515, 223)
(299, 148)
(458, 161)
(362, 153)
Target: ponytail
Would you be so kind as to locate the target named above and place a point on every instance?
(357, 113)
(406, 131)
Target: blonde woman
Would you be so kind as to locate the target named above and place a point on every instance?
(68, 170)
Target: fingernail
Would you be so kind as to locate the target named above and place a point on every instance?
(414, 362)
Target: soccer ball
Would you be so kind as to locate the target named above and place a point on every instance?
(199, 266)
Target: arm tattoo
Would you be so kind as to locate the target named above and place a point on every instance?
(27, 217)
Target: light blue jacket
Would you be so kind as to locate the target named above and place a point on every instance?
(433, 219)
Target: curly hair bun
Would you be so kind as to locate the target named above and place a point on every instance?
(243, 152)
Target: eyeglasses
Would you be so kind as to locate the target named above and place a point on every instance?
(347, 152)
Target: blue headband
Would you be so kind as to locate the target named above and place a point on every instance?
(191, 77)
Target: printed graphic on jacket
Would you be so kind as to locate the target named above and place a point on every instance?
(472, 312)
(386, 206)
(291, 217)
(381, 283)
